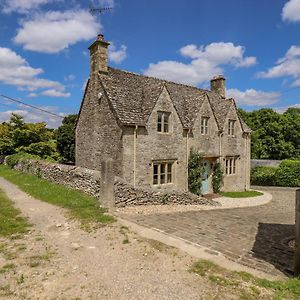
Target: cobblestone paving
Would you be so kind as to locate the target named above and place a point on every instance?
(256, 237)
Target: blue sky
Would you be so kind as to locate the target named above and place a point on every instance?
(44, 60)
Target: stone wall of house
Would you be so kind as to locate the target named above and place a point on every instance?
(238, 146)
(152, 146)
(98, 135)
(89, 181)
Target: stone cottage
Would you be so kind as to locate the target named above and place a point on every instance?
(148, 127)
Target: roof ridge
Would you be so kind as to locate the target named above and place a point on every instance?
(162, 80)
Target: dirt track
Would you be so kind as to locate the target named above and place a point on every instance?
(57, 260)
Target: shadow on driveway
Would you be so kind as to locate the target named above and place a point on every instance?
(272, 245)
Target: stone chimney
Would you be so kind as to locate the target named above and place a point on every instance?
(99, 56)
(217, 85)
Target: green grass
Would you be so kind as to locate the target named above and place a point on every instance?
(80, 205)
(247, 285)
(12, 224)
(241, 194)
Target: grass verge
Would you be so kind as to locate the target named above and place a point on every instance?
(246, 285)
(80, 205)
(241, 194)
(12, 224)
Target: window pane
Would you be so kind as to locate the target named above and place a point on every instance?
(155, 169)
(169, 177)
(230, 166)
(162, 173)
(226, 166)
(166, 122)
(159, 127)
(234, 161)
(155, 179)
(159, 121)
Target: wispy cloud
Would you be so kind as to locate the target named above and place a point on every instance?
(253, 97)
(54, 31)
(117, 55)
(15, 70)
(206, 62)
(34, 116)
(55, 93)
(22, 6)
(289, 65)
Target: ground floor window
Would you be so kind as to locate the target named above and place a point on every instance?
(230, 165)
(162, 172)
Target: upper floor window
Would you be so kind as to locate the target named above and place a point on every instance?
(231, 129)
(162, 172)
(163, 121)
(204, 125)
(230, 164)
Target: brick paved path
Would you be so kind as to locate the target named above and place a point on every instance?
(256, 237)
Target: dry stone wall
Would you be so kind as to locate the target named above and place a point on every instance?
(127, 195)
(89, 181)
(74, 177)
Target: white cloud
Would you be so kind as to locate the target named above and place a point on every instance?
(117, 55)
(282, 109)
(22, 6)
(70, 77)
(32, 95)
(291, 11)
(53, 31)
(105, 3)
(253, 97)
(289, 65)
(206, 62)
(34, 116)
(296, 83)
(55, 93)
(15, 70)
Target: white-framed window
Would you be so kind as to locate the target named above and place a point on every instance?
(204, 125)
(231, 129)
(162, 172)
(230, 165)
(163, 121)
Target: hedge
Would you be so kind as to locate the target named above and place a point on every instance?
(287, 174)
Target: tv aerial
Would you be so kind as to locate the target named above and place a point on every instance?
(98, 10)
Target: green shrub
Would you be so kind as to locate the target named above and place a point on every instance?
(217, 178)
(263, 175)
(195, 172)
(288, 173)
(13, 159)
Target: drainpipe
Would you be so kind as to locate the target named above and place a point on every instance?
(220, 145)
(134, 153)
(187, 159)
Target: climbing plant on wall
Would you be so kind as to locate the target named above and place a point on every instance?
(217, 178)
(195, 172)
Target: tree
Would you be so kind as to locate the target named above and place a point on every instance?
(65, 136)
(274, 135)
(35, 138)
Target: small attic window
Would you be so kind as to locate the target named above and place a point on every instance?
(204, 125)
(163, 121)
(231, 129)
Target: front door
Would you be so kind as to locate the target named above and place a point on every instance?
(205, 176)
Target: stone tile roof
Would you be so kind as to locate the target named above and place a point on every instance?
(133, 97)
